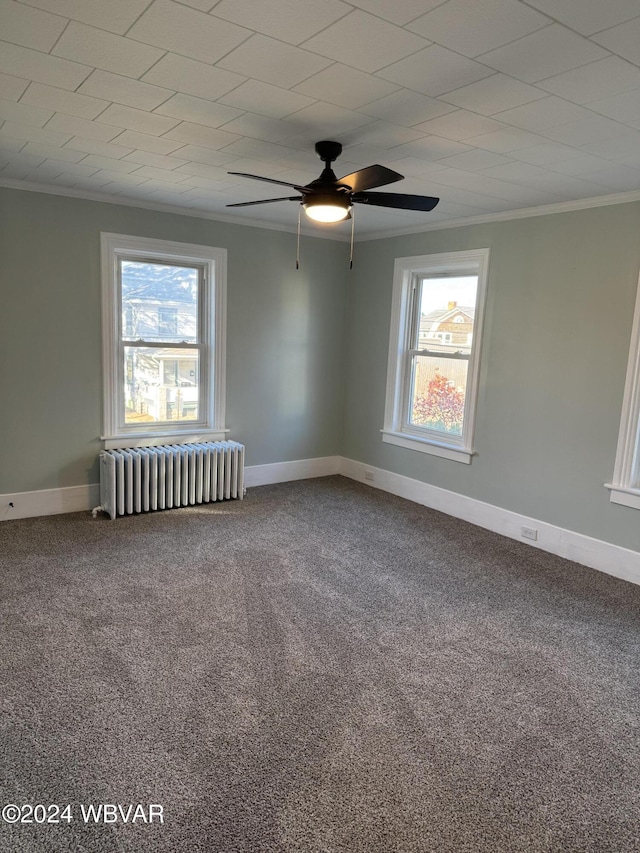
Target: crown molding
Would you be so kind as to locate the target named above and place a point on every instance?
(481, 219)
(71, 192)
(521, 213)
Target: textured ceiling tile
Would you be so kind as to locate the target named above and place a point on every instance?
(394, 11)
(94, 146)
(383, 44)
(588, 16)
(75, 126)
(265, 99)
(203, 155)
(174, 27)
(273, 62)
(156, 174)
(291, 21)
(114, 15)
(407, 108)
(259, 127)
(157, 161)
(33, 65)
(124, 90)
(601, 79)
(107, 163)
(430, 148)
(544, 113)
(550, 152)
(140, 120)
(198, 110)
(52, 151)
(549, 51)
(624, 108)
(11, 88)
(460, 125)
(473, 161)
(110, 52)
(30, 27)
(347, 87)
(475, 28)
(33, 134)
(435, 70)
(24, 114)
(595, 128)
(193, 78)
(60, 100)
(158, 145)
(196, 134)
(493, 94)
(331, 119)
(623, 40)
(269, 151)
(504, 141)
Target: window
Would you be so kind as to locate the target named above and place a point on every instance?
(625, 488)
(163, 340)
(434, 352)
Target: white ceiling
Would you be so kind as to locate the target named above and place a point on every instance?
(494, 106)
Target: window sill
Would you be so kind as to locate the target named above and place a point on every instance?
(156, 439)
(624, 496)
(424, 445)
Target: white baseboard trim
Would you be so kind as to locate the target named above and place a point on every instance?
(48, 501)
(605, 557)
(283, 472)
(614, 560)
(80, 498)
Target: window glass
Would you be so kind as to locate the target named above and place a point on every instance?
(159, 301)
(442, 347)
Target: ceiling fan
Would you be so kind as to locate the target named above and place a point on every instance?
(329, 199)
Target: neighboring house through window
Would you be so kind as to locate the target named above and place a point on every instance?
(625, 487)
(164, 340)
(434, 353)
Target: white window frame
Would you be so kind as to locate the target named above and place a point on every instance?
(625, 487)
(212, 305)
(396, 429)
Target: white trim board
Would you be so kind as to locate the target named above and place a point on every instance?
(308, 231)
(301, 469)
(84, 498)
(594, 553)
(48, 501)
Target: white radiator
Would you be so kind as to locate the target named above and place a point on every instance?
(147, 478)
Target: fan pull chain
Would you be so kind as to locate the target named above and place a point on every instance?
(353, 223)
(298, 244)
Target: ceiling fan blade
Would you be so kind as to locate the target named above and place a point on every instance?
(397, 200)
(268, 180)
(264, 201)
(372, 176)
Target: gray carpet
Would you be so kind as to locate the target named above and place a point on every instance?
(319, 668)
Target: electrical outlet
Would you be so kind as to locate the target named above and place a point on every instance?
(529, 533)
(368, 475)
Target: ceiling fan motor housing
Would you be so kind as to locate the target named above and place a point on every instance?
(328, 151)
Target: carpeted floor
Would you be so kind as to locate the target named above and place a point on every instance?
(319, 668)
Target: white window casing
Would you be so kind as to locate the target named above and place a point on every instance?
(625, 486)
(397, 429)
(211, 346)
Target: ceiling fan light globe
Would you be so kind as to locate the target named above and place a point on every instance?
(327, 210)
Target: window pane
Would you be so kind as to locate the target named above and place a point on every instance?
(159, 302)
(160, 384)
(438, 388)
(447, 313)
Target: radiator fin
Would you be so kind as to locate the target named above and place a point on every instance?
(134, 480)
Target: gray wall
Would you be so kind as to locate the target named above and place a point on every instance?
(307, 350)
(560, 305)
(285, 336)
